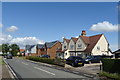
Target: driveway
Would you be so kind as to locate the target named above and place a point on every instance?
(92, 68)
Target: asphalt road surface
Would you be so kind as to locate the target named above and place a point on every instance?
(26, 69)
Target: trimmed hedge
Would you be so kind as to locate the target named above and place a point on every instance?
(47, 60)
(38, 59)
(111, 65)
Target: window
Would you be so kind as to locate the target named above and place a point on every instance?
(71, 46)
(79, 45)
(98, 47)
(71, 54)
(65, 47)
(66, 53)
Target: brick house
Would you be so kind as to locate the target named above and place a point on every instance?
(48, 48)
(51, 48)
(41, 50)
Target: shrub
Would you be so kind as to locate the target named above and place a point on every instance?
(38, 59)
(111, 65)
(58, 62)
(110, 75)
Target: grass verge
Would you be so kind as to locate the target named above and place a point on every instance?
(113, 76)
(1, 61)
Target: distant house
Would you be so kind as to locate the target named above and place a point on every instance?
(52, 47)
(30, 50)
(117, 53)
(41, 50)
(84, 45)
(22, 51)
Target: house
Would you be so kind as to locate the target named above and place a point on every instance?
(117, 53)
(51, 47)
(30, 50)
(84, 45)
(41, 50)
(22, 51)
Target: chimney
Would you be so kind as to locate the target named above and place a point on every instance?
(83, 33)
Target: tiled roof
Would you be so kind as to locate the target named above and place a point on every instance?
(92, 42)
(22, 50)
(28, 47)
(74, 39)
(39, 46)
(50, 44)
(85, 39)
(67, 40)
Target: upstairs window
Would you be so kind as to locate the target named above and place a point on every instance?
(65, 47)
(71, 47)
(98, 47)
(79, 45)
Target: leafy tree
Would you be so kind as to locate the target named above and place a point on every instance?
(5, 48)
(0, 48)
(14, 49)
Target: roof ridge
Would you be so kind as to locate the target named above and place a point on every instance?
(96, 35)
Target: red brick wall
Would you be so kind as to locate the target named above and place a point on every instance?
(52, 51)
(41, 52)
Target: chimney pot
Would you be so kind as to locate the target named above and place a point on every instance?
(83, 33)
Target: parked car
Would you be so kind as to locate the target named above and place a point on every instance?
(45, 56)
(75, 61)
(9, 56)
(92, 59)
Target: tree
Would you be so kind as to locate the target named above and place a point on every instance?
(14, 49)
(5, 48)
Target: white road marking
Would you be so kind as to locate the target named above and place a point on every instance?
(44, 70)
(25, 63)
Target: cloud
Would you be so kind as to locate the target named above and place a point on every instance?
(1, 25)
(21, 41)
(26, 41)
(12, 29)
(104, 27)
(5, 38)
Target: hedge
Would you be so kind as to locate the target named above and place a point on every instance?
(111, 65)
(38, 59)
(47, 60)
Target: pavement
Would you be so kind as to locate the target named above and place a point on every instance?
(25, 69)
(4, 71)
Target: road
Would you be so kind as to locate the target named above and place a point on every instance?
(25, 69)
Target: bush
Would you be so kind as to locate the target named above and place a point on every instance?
(110, 75)
(58, 62)
(111, 65)
(38, 59)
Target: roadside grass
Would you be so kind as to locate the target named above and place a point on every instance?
(1, 61)
(113, 76)
(21, 57)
